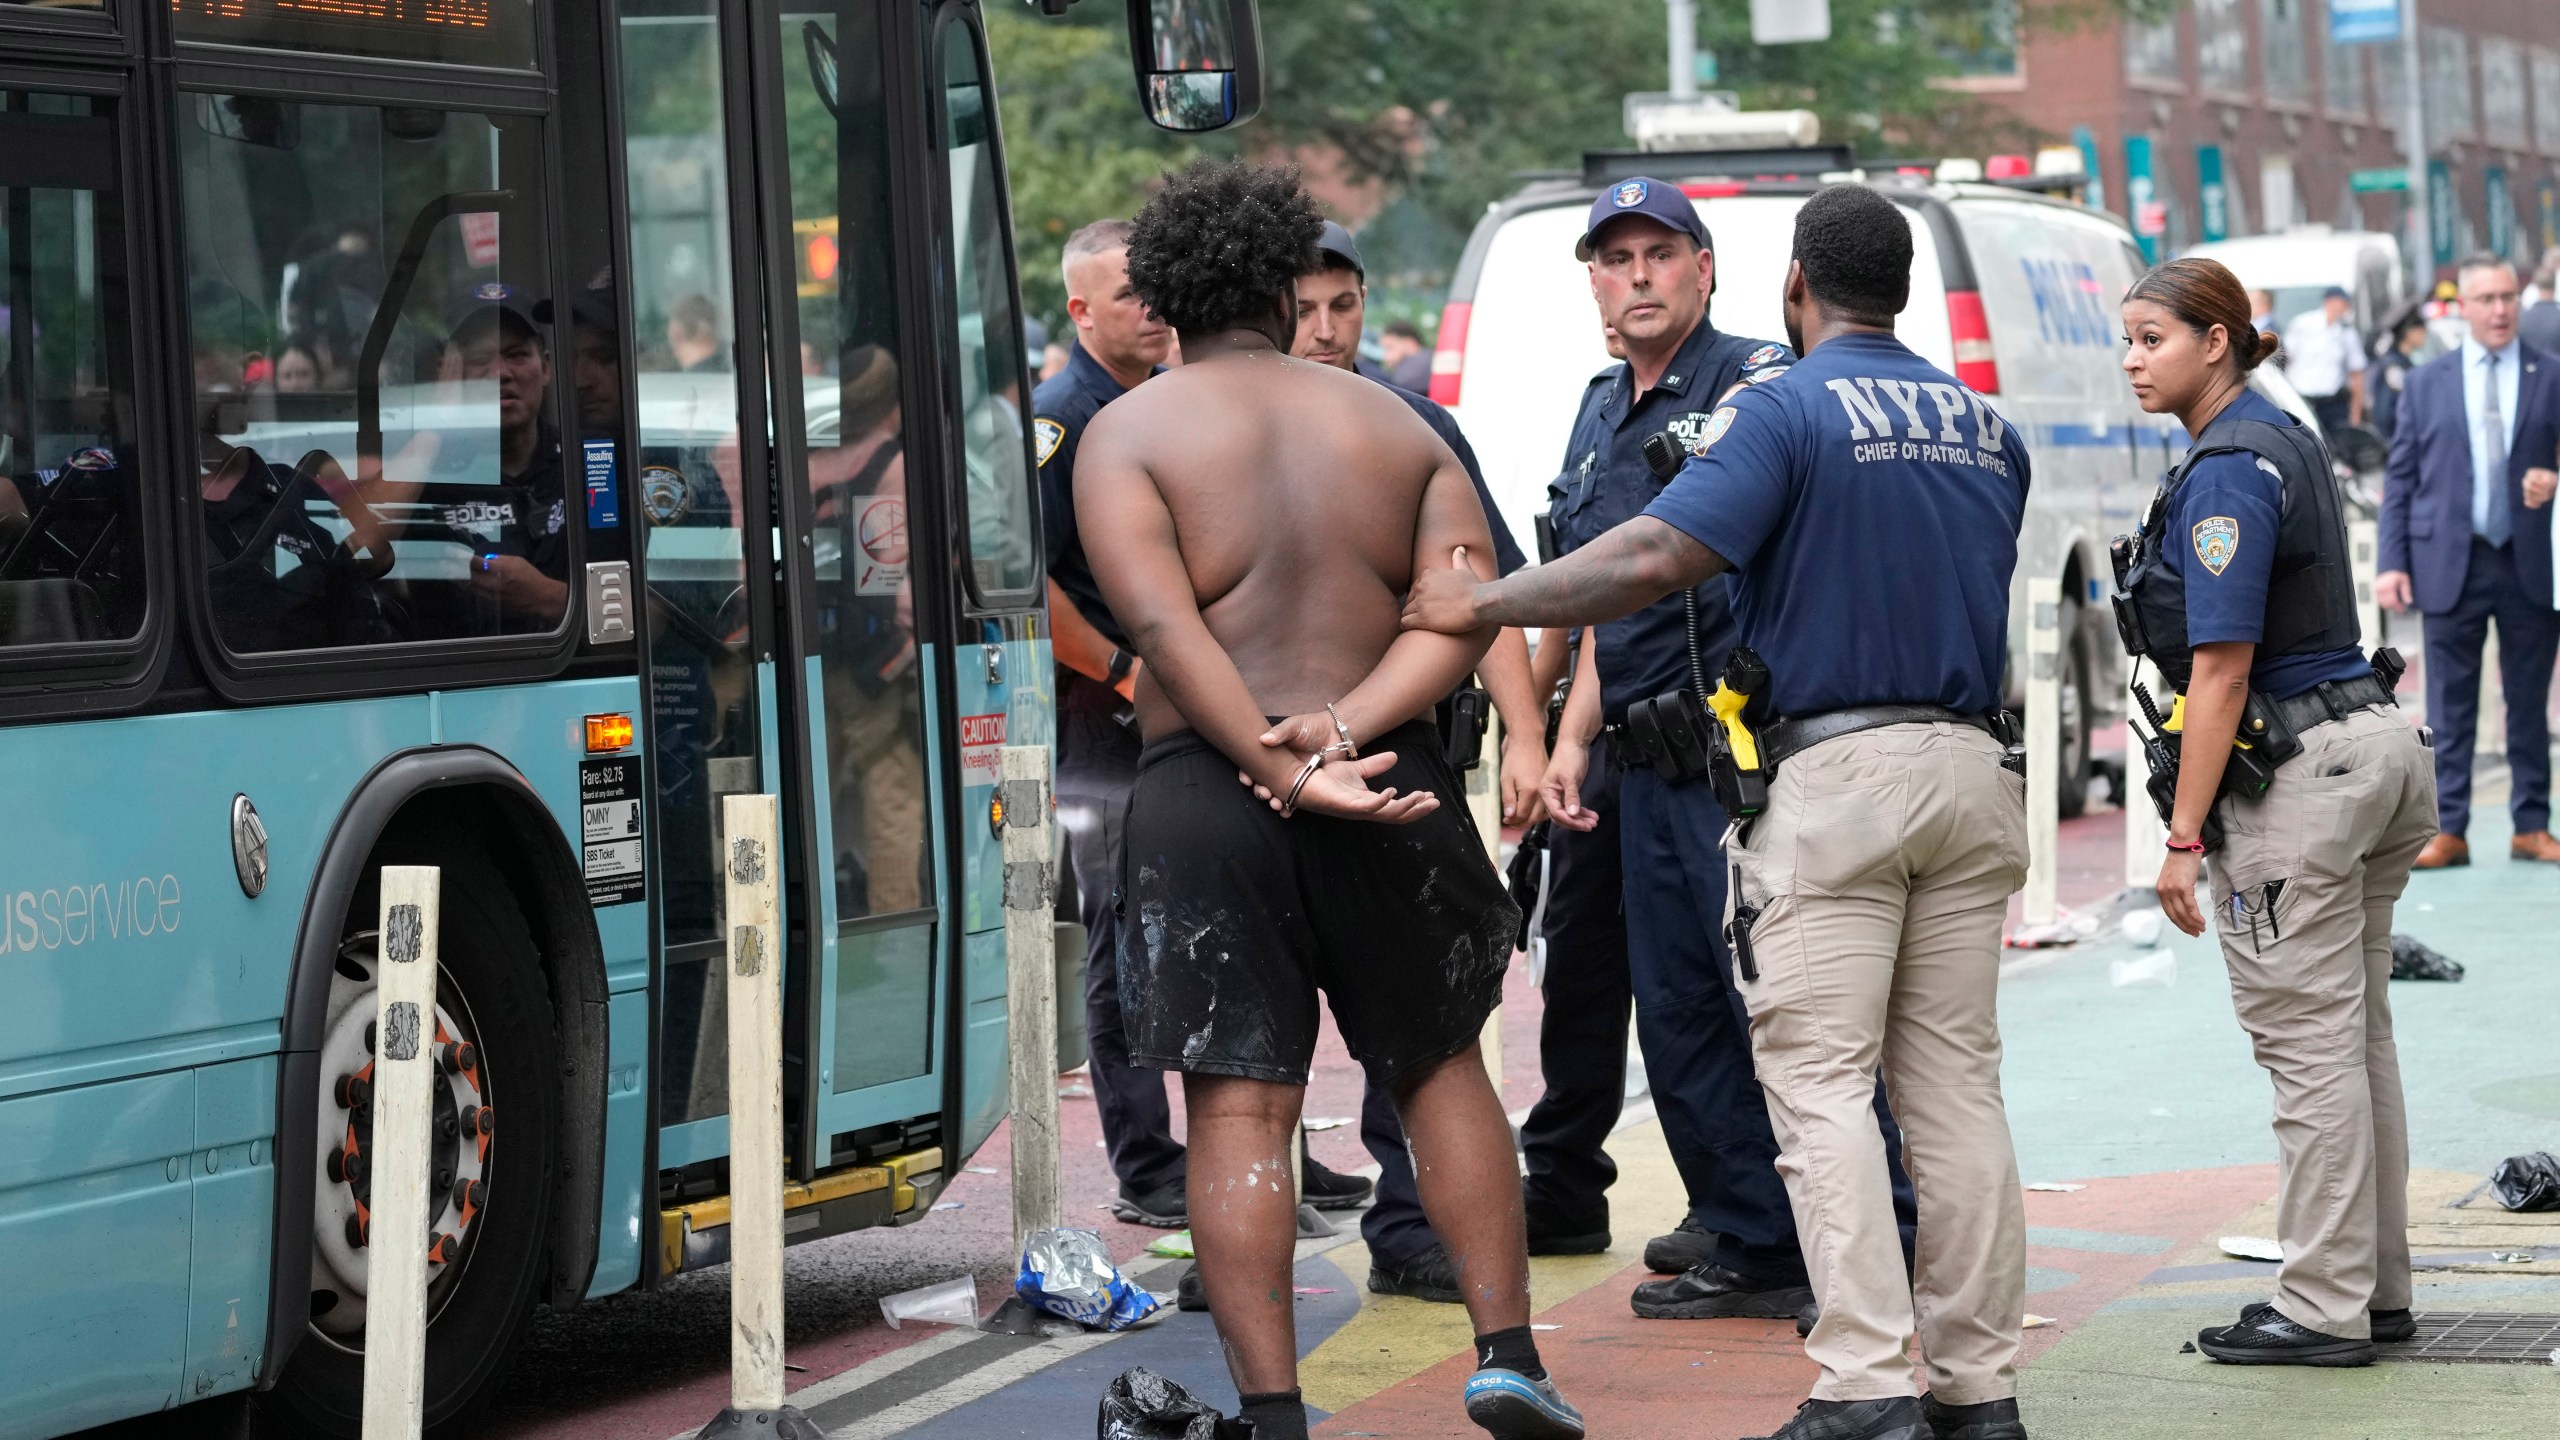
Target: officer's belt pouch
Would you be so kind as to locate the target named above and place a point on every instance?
(2124, 552)
(1674, 733)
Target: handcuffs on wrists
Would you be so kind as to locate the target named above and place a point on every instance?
(1342, 746)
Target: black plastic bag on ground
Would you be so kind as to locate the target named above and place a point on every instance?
(2528, 1182)
(1143, 1405)
(2413, 961)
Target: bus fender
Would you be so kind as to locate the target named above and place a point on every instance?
(553, 896)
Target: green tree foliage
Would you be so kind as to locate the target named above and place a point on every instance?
(1446, 101)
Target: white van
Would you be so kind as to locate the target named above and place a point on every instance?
(2297, 267)
(2013, 292)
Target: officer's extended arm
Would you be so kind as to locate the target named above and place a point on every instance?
(1418, 669)
(1620, 573)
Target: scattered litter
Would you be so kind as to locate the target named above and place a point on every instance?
(2037, 1322)
(2251, 1247)
(1069, 1274)
(1142, 1405)
(803, 1369)
(2186, 1347)
(1176, 1246)
(2512, 1257)
(2042, 937)
(2142, 927)
(2156, 966)
(952, 1205)
(1546, 1327)
(1077, 1091)
(951, 1302)
(1325, 1122)
(2528, 1182)
(1313, 1290)
(2056, 1186)
(982, 1170)
(2413, 961)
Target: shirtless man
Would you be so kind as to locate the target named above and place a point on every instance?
(1253, 520)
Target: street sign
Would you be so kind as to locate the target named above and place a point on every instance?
(2440, 214)
(1789, 22)
(2367, 182)
(2212, 197)
(2359, 22)
(2150, 217)
(2088, 143)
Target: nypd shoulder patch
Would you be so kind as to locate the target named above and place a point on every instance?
(1048, 434)
(2217, 539)
(1765, 355)
(1763, 377)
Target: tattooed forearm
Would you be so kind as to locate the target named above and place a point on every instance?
(1623, 571)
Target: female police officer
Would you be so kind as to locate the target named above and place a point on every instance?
(2238, 589)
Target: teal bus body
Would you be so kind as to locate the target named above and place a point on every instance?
(277, 609)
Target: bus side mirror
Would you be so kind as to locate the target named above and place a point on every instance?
(1199, 62)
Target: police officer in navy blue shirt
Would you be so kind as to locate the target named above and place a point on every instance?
(2239, 590)
(1735, 1252)
(1867, 505)
(1405, 1256)
(1118, 345)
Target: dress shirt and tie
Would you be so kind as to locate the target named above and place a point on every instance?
(2489, 384)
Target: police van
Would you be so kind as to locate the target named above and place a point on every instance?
(2013, 291)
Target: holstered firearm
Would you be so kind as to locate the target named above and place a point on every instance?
(2160, 757)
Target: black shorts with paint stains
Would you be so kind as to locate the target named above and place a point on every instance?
(1232, 918)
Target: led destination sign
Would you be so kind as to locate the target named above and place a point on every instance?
(470, 32)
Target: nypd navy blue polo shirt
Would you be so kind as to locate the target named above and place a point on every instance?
(1869, 505)
(2221, 544)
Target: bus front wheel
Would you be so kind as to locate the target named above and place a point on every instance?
(489, 1188)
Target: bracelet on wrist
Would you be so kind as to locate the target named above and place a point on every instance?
(2195, 848)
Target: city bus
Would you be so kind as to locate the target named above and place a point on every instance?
(484, 434)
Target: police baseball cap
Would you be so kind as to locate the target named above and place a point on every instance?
(1337, 242)
(1656, 200)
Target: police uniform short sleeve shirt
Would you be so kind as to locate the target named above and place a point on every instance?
(1506, 549)
(2221, 543)
(1060, 409)
(1869, 505)
(1606, 483)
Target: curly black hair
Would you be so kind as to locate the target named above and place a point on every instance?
(1220, 242)
(1856, 251)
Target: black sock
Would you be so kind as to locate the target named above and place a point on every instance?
(1511, 1349)
(1280, 1415)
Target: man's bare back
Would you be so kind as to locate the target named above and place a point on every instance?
(1297, 535)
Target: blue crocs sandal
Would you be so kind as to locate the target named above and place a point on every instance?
(1511, 1406)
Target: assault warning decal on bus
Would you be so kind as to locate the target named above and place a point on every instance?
(609, 817)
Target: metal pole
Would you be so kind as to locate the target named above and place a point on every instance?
(2413, 138)
(2364, 542)
(1684, 48)
(404, 1068)
(2044, 745)
(1031, 988)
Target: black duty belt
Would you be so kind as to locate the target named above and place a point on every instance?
(2333, 700)
(1789, 737)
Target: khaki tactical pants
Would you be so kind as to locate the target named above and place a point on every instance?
(1882, 870)
(2302, 889)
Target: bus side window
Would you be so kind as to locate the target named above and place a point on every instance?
(373, 332)
(995, 385)
(70, 522)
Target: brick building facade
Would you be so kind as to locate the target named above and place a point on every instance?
(2238, 117)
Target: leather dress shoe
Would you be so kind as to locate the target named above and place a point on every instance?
(1712, 1292)
(2443, 853)
(1688, 1246)
(2264, 1336)
(1899, 1418)
(2534, 845)
(1431, 1275)
(1990, 1420)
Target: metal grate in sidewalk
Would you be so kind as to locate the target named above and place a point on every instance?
(2479, 1337)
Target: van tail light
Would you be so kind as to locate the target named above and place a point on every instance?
(1711, 189)
(1449, 358)
(1976, 365)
